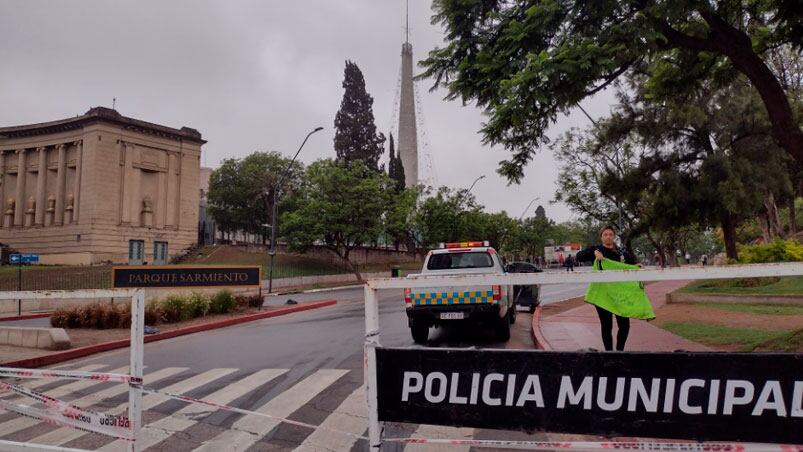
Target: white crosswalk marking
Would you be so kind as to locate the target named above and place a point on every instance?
(440, 432)
(351, 416)
(18, 424)
(162, 429)
(65, 435)
(250, 429)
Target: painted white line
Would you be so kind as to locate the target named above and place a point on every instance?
(250, 429)
(65, 435)
(439, 432)
(21, 423)
(350, 416)
(188, 416)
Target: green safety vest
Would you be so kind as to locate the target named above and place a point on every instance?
(625, 299)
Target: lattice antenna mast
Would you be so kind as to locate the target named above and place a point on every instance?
(407, 22)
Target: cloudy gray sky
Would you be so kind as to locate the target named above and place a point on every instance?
(250, 75)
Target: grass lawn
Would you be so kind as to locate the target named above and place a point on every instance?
(787, 285)
(766, 309)
(747, 339)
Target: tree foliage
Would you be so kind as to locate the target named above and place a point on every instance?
(240, 191)
(340, 206)
(526, 62)
(395, 167)
(356, 137)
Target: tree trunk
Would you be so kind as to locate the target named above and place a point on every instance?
(729, 235)
(792, 216)
(773, 219)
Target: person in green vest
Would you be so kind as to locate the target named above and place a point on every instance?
(623, 300)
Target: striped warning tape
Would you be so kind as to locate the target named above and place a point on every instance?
(48, 417)
(67, 375)
(607, 446)
(64, 413)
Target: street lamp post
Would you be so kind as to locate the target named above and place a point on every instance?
(475, 181)
(528, 207)
(275, 209)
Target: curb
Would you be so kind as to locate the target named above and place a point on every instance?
(540, 341)
(123, 343)
(323, 289)
(25, 317)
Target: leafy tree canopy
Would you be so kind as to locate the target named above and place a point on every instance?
(525, 62)
(356, 137)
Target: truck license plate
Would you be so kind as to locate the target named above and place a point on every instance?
(451, 316)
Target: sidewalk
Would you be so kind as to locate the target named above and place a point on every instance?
(578, 328)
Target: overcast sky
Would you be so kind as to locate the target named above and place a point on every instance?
(251, 75)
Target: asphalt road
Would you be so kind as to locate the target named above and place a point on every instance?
(309, 345)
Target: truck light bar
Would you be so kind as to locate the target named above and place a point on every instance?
(465, 244)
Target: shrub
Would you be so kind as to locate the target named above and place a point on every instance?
(776, 251)
(198, 304)
(241, 302)
(175, 308)
(152, 313)
(111, 318)
(73, 318)
(85, 316)
(221, 302)
(255, 301)
(124, 321)
(60, 318)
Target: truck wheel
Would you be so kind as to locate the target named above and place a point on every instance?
(503, 329)
(420, 333)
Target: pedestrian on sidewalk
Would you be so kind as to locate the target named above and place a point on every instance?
(569, 263)
(620, 300)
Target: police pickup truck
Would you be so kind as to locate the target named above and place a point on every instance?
(491, 305)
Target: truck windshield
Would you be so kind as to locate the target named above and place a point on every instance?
(448, 261)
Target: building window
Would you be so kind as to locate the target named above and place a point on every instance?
(136, 252)
(160, 253)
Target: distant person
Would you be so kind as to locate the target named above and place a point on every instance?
(569, 263)
(704, 259)
(688, 258)
(631, 302)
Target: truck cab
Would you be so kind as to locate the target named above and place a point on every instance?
(482, 305)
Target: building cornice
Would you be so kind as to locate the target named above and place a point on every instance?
(98, 115)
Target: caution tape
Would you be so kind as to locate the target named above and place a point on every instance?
(48, 417)
(63, 413)
(67, 375)
(604, 445)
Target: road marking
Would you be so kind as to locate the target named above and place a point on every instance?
(250, 429)
(158, 431)
(21, 423)
(350, 416)
(437, 431)
(65, 435)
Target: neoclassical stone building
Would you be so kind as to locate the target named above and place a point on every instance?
(99, 187)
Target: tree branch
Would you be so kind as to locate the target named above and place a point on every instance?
(610, 79)
(678, 39)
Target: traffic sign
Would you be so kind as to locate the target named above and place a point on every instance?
(23, 258)
(14, 258)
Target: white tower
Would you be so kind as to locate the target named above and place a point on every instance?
(408, 140)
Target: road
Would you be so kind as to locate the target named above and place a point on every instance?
(305, 366)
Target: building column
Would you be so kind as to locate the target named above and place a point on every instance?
(161, 198)
(128, 150)
(79, 147)
(3, 180)
(39, 218)
(170, 206)
(61, 178)
(19, 201)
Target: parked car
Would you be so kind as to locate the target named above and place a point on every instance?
(528, 296)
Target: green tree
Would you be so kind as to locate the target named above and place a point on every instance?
(439, 216)
(356, 137)
(340, 207)
(240, 191)
(395, 167)
(398, 220)
(526, 62)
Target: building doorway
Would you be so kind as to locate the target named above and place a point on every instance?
(136, 252)
(159, 253)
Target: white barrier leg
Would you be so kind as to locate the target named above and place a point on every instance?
(371, 342)
(135, 369)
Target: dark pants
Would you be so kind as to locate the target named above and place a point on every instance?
(606, 326)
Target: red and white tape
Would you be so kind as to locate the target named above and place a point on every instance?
(607, 446)
(62, 412)
(48, 417)
(67, 375)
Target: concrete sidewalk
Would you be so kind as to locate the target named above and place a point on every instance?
(578, 328)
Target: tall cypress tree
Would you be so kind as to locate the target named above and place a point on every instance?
(356, 137)
(395, 168)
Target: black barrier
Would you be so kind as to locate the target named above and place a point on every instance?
(698, 396)
(178, 276)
